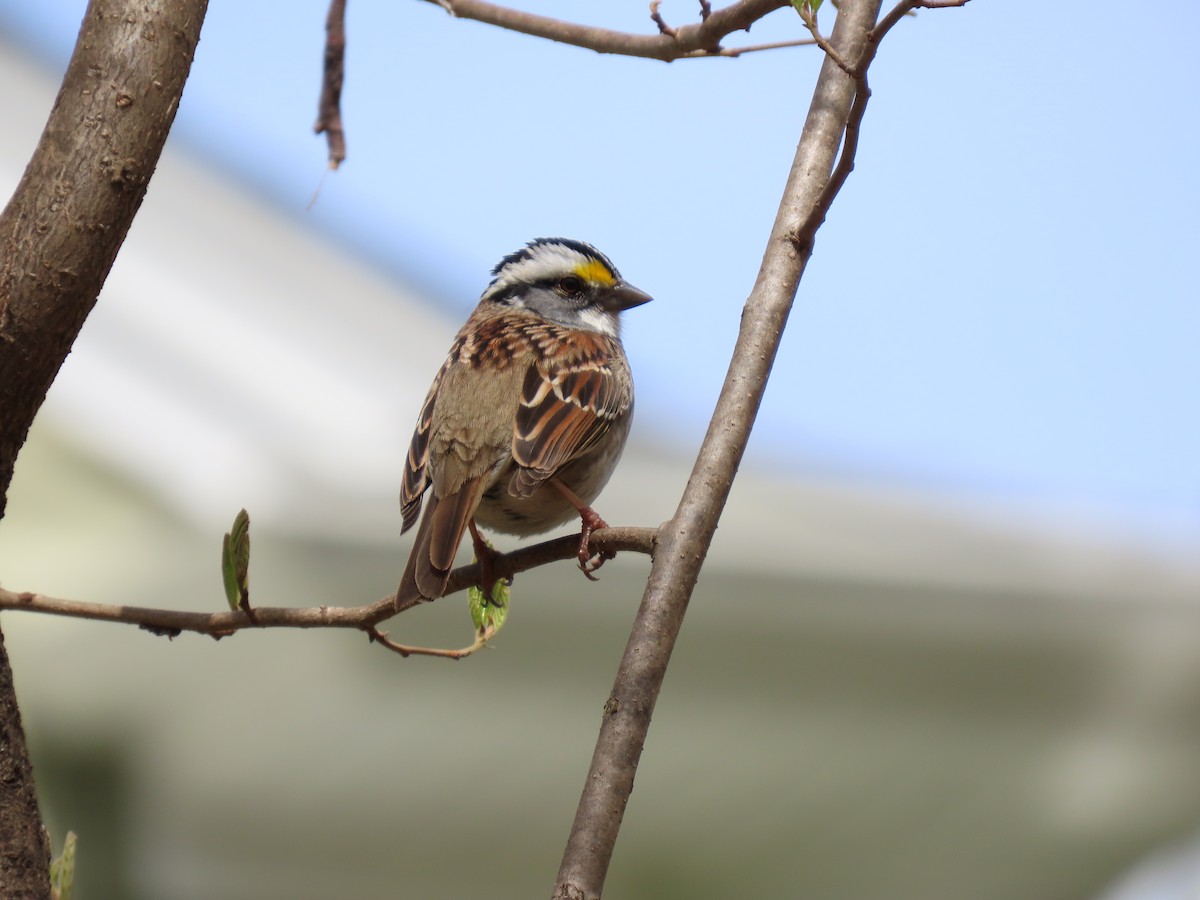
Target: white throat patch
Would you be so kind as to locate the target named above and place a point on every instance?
(605, 323)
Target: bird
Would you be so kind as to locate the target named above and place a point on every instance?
(527, 417)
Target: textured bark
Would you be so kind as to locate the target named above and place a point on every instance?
(71, 211)
(24, 848)
(59, 236)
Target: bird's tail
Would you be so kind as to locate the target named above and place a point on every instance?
(436, 544)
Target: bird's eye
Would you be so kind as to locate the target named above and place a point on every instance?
(571, 286)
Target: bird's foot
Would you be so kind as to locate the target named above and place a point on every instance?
(589, 562)
(486, 555)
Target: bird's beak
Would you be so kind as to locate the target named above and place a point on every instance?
(624, 296)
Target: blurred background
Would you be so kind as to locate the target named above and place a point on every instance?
(947, 642)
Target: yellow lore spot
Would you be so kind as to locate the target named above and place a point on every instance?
(595, 272)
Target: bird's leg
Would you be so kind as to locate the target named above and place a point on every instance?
(588, 563)
(486, 556)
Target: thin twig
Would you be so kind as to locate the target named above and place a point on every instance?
(405, 650)
(172, 622)
(806, 233)
(657, 19)
(810, 22)
(905, 8)
(804, 236)
(758, 48)
(688, 42)
(329, 107)
(845, 164)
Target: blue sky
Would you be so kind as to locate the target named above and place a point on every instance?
(1001, 303)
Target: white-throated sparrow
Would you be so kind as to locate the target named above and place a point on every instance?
(526, 419)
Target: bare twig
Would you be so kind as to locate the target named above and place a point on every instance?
(806, 234)
(758, 48)
(845, 164)
(687, 42)
(810, 22)
(657, 19)
(172, 622)
(329, 107)
(905, 8)
(481, 641)
(705, 10)
(684, 540)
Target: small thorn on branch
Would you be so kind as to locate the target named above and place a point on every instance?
(329, 107)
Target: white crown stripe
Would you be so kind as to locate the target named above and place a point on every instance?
(545, 260)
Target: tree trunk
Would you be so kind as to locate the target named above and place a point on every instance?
(59, 236)
(73, 207)
(24, 847)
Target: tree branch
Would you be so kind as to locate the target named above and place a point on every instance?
(329, 107)
(904, 8)
(657, 19)
(25, 860)
(735, 52)
(810, 22)
(481, 639)
(845, 164)
(173, 622)
(685, 42)
(59, 235)
(684, 541)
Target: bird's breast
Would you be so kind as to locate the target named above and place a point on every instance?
(546, 507)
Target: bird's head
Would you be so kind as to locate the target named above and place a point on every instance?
(564, 281)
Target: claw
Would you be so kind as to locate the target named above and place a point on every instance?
(588, 562)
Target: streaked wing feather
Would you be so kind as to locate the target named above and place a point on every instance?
(416, 475)
(562, 414)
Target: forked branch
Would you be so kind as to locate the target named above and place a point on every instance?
(698, 39)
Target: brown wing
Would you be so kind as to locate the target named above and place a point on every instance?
(416, 473)
(445, 518)
(456, 455)
(563, 413)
